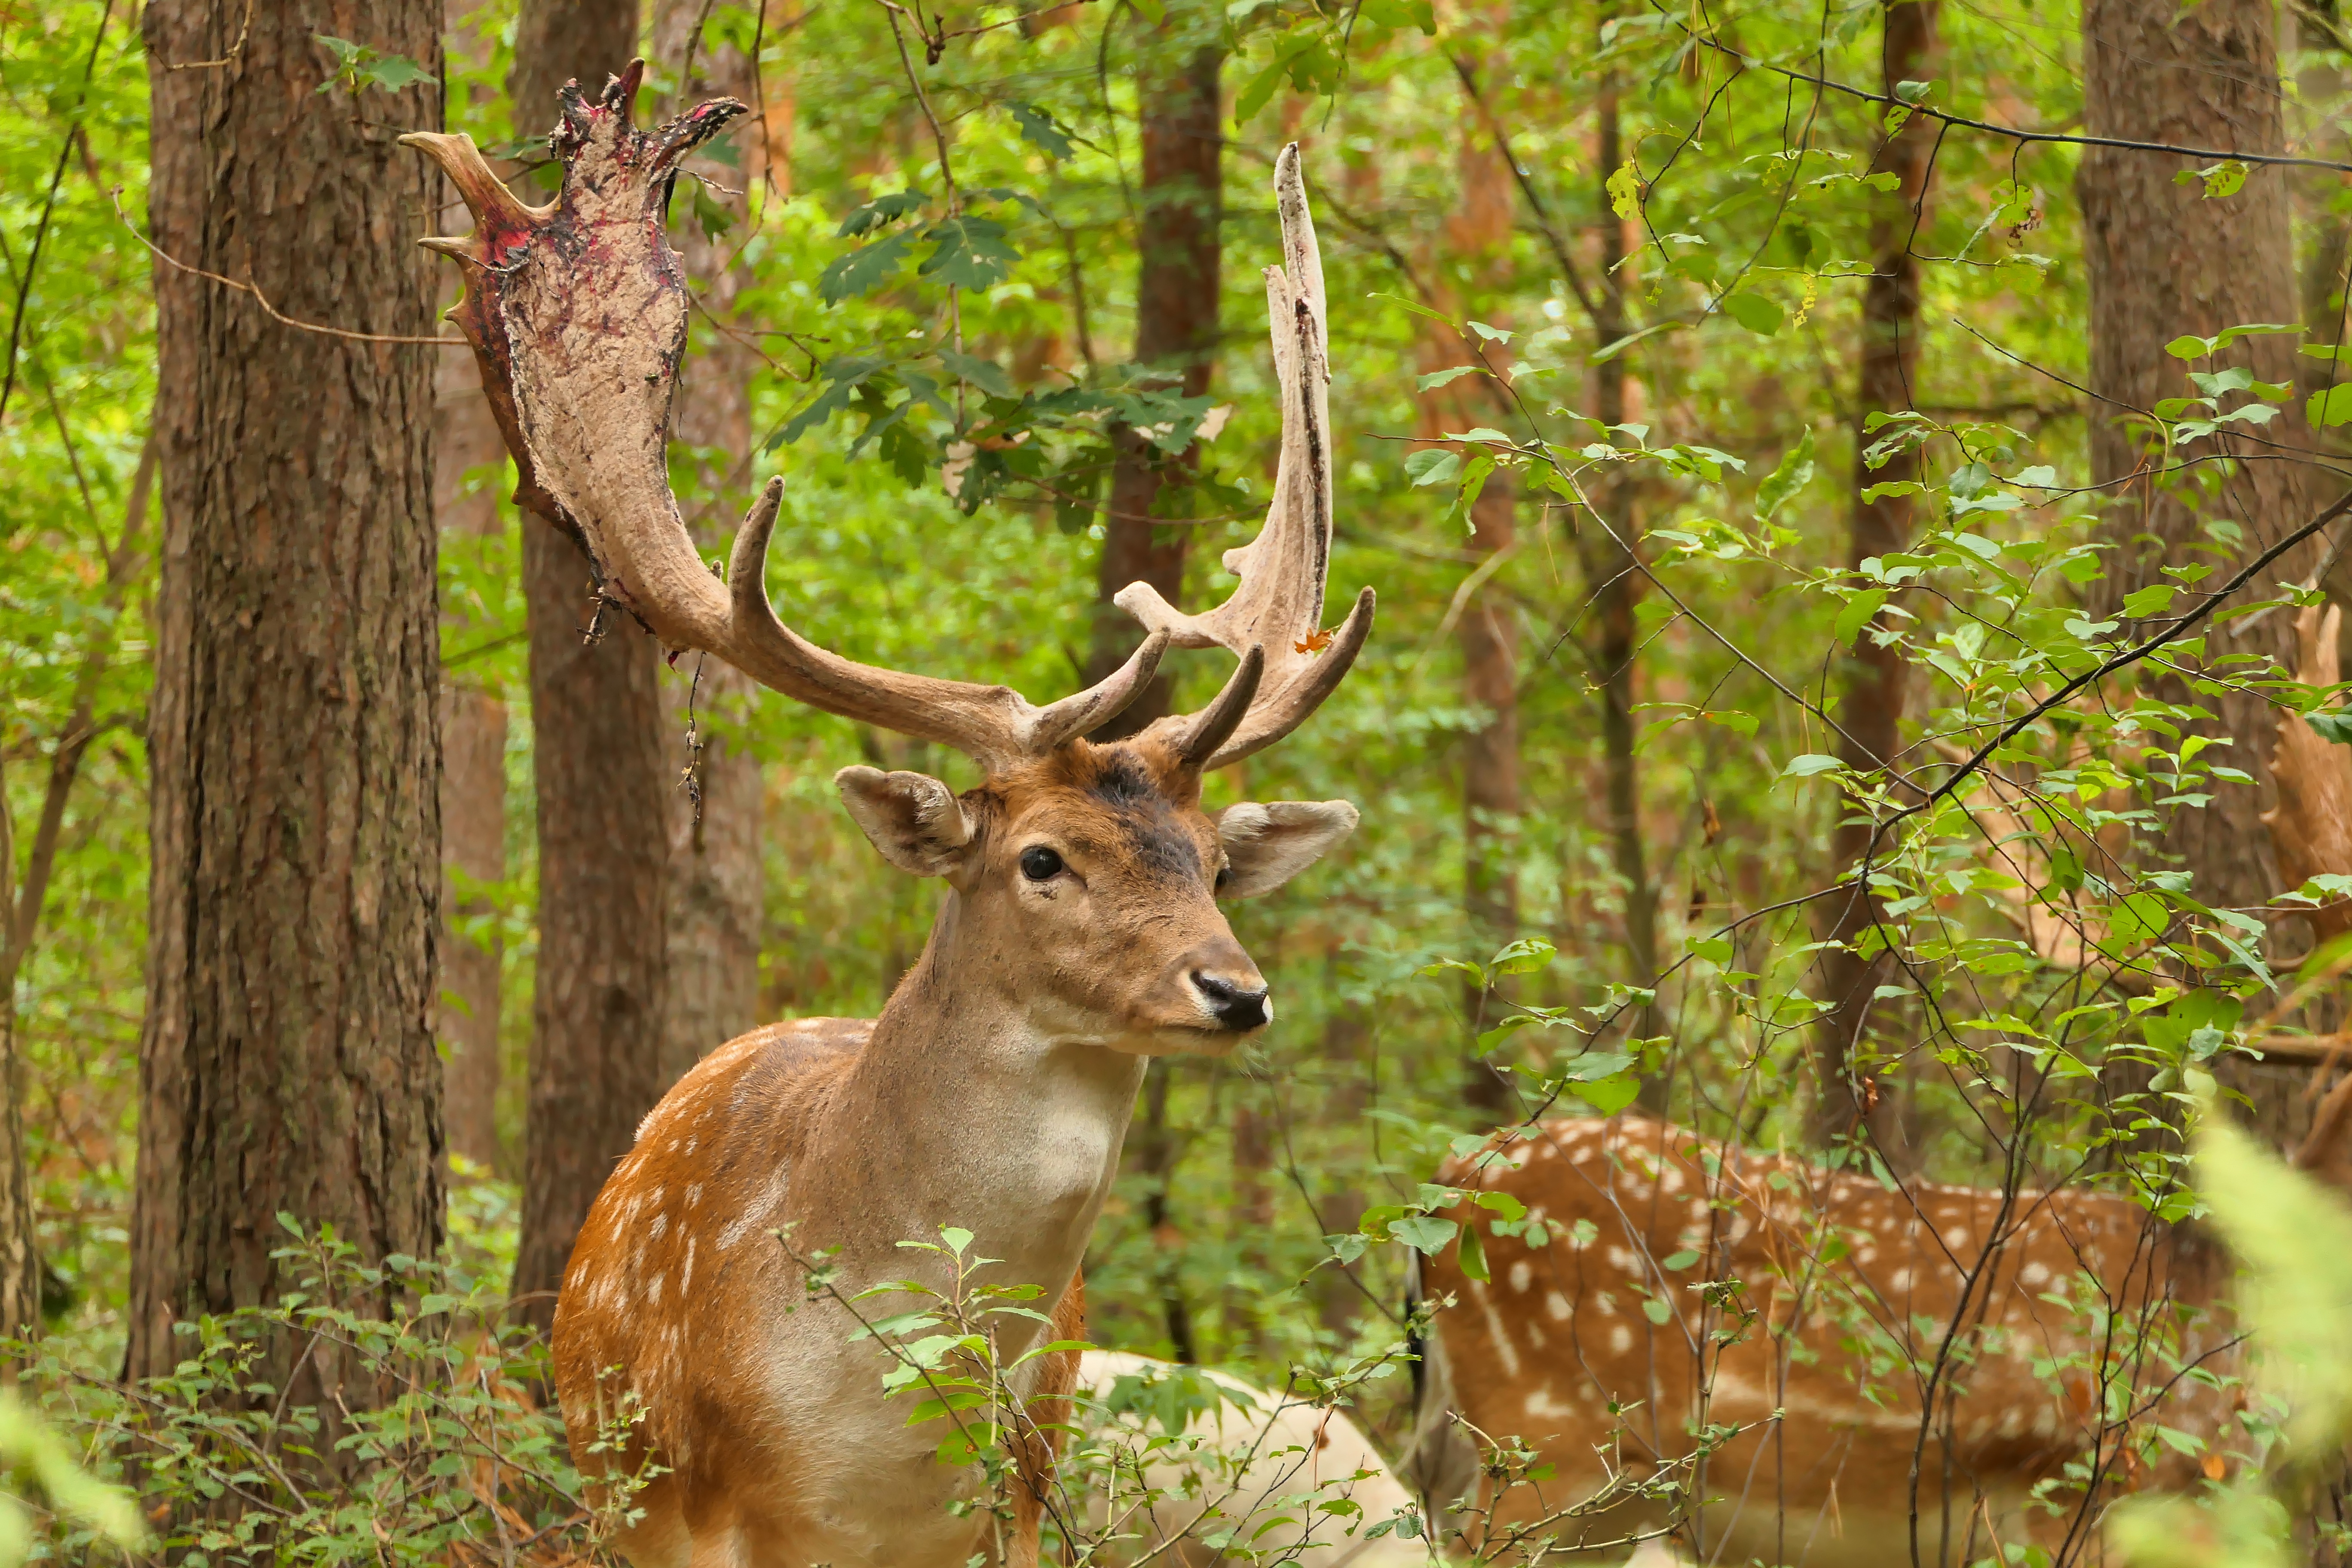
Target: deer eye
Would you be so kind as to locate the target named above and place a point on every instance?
(1225, 875)
(1040, 864)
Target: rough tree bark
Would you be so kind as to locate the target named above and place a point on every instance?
(715, 884)
(1871, 679)
(2164, 260)
(286, 1063)
(602, 776)
(1182, 208)
(473, 742)
(1612, 578)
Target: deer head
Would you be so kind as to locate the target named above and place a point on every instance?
(1092, 870)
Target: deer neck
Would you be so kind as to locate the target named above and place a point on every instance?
(963, 1111)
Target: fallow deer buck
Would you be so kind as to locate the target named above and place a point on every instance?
(1078, 936)
(1934, 1352)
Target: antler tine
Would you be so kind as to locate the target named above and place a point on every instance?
(1280, 605)
(994, 725)
(577, 311)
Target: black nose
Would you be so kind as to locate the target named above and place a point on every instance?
(1236, 1008)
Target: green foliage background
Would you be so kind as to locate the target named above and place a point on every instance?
(1753, 196)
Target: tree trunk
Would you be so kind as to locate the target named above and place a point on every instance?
(287, 1064)
(1156, 1154)
(1339, 1294)
(1872, 680)
(1612, 578)
(473, 745)
(603, 781)
(2165, 260)
(1477, 231)
(473, 817)
(715, 885)
(1489, 637)
(1178, 235)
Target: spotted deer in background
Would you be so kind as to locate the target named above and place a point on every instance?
(1078, 936)
(1933, 1352)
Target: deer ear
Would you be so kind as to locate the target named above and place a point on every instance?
(1265, 845)
(914, 819)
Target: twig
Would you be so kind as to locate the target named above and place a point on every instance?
(1542, 214)
(2173, 630)
(235, 49)
(262, 300)
(2015, 134)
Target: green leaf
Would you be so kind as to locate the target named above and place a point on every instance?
(2293, 1240)
(863, 269)
(2197, 348)
(2334, 725)
(393, 72)
(1716, 949)
(1675, 1262)
(1755, 312)
(2226, 178)
(1259, 91)
(968, 252)
(1857, 615)
(2146, 602)
(1794, 473)
(983, 374)
(1524, 957)
(1657, 1310)
(1418, 14)
(1609, 1095)
(881, 210)
(1437, 378)
(1473, 1255)
(2330, 406)
(1040, 131)
(2139, 917)
(1417, 308)
(1423, 1233)
(1492, 334)
(1808, 764)
(1624, 187)
(1433, 466)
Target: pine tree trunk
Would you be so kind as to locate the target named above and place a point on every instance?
(20, 1256)
(1489, 638)
(715, 883)
(2164, 260)
(1477, 232)
(1872, 680)
(603, 783)
(473, 735)
(1182, 211)
(288, 1063)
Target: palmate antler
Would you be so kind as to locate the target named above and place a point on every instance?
(1280, 606)
(577, 311)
